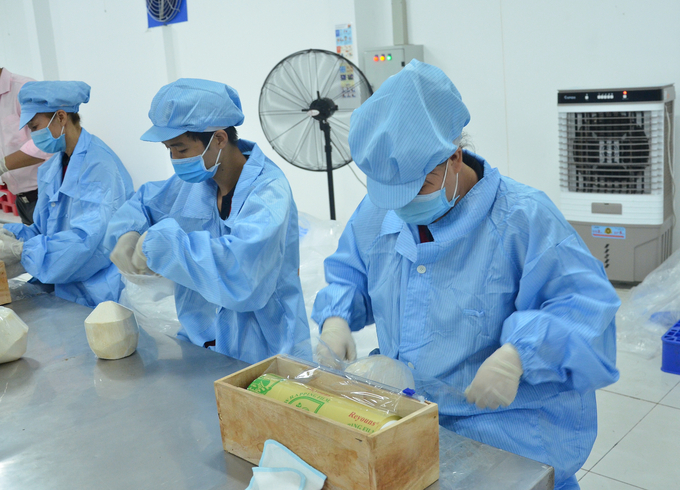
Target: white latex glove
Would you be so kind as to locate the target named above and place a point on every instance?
(10, 249)
(3, 166)
(123, 251)
(497, 379)
(138, 257)
(6, 233)
(337, 335)
(14, 270)
(10, 253)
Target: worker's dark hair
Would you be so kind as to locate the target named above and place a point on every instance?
(204, 138)
(73, 116)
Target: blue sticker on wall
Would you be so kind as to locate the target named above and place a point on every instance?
(181, 15)
(618, 232)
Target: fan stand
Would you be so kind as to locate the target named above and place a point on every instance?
(321, 109)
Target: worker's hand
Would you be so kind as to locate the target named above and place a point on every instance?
(6, 233)
(338, 337)
(497, 379)
(11, 249)
(123, 251)
(10, 253)
(3, 166)
(138, 257)
(14, 269)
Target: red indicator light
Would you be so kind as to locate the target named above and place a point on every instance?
(382, 57)
(376, 58)
(625, 92)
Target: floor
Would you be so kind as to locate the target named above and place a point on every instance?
(638, 442)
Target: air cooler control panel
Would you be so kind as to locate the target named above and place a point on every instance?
(619, 95)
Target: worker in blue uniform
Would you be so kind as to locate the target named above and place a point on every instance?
(224, 229)
(472, 279)
(79, 189)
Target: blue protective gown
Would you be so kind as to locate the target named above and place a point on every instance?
(237, 279)
(505, 266)
(64, 245)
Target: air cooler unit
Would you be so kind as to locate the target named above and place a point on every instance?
(616, 175)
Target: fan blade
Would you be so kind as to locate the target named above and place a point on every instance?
(293, 126)
(273, 88)
(343, 153)
(302, 140)
(310, 96)
(331, 73)
(281, 113)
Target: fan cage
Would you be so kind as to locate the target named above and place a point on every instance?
(612, 152)
(163, 10)
(288, 92)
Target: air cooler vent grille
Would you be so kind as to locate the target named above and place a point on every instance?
(611, 152)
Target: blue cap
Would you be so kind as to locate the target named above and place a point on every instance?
(404, 130)
(190, 104)
(39, 97)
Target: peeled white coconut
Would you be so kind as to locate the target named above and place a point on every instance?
(112, 331)
(13, 335)
(384, 370)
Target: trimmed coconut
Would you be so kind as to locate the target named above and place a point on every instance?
(112, 331)
(13, 335)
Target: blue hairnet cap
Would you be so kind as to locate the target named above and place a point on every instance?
(404, 130)
(190, 104)
(38, 97)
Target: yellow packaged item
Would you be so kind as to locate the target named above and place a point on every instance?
(334, 407)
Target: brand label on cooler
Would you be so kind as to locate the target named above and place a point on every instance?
(618, 232)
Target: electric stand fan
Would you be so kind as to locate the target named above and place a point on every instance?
(304, 88)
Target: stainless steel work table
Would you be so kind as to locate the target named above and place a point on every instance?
(71, 421)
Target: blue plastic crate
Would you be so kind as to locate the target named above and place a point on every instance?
(670, 359)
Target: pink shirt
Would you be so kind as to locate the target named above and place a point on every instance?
(12, 138)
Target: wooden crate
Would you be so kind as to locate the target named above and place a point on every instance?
(5, 297)
(404, 455)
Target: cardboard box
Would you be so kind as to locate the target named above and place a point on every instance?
(404, 455)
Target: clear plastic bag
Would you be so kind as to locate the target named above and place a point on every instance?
(322, 380)
(391, 373)
(376, 368)
(152, 298)
(653, 307)
(22, 287)
(319, 239)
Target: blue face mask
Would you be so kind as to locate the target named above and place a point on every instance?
(44, 140)
(193, 169)
(426, 208)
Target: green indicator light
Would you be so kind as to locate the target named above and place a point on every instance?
(389, 57)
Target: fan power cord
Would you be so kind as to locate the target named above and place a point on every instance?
(357, 177)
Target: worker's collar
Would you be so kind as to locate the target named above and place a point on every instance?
(5, 81)
(471, 210)
(70, 180)
(464, 217)
(205, 192)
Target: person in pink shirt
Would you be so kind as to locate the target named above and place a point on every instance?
(19, 157)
